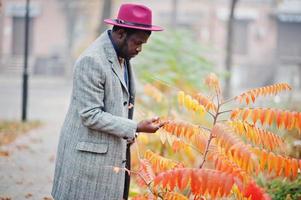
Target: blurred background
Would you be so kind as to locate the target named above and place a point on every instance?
(266, 34)
(248, 43)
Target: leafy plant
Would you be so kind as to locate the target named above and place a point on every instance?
(175, 58)
(284, 189)
(233, 149)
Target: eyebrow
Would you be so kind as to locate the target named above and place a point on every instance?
(139, 41)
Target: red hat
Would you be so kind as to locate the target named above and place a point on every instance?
(134, 16)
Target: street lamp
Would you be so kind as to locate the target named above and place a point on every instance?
(25, 70)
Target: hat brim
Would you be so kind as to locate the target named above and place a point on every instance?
(151, 28)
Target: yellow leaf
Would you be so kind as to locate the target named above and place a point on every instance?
(188, 102)
(181, 98)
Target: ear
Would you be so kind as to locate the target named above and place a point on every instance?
(121, 34)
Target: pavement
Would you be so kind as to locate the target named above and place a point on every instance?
(27, 172)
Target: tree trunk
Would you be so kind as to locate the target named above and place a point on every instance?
(229, 49)
(106, 13)
(1, 30)
(174, 14)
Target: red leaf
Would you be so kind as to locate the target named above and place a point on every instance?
(255, 192)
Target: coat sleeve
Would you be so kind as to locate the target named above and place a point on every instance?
(89, 80)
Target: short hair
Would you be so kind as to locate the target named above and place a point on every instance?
(130, 31)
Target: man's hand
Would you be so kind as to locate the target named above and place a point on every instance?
(150, 125)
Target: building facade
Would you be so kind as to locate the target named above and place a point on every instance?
(47, 37)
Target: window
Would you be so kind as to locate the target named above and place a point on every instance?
(288, 40)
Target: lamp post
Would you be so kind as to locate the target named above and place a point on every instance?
(25, 70)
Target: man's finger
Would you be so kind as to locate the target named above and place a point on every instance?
(162, 124)
(154, 119)
(159, 125)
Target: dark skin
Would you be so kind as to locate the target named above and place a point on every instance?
(130, 46)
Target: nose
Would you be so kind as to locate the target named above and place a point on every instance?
(139, 49)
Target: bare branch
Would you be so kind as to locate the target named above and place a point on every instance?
(205, 128)
(227, 101)
(223, 112)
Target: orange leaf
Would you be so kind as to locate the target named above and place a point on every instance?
(284, 118)
(202, 181)
(204, 101)
(140, 197)
(255, 115)
(146, 174)
(235, 113)
(271, 161)
(263, 116)
(180, 180)
(288, 167)
(160, 163)
(247, 100)
(272, 116)
(195, 183)
(253, 96)
(294, 167)
(279, 165)
(279, 118)
(263, 159)
(298, 124)
(290, 120)
(266, 114)
(174, 196)
(262, 91)
(245, 114)
(185, 178)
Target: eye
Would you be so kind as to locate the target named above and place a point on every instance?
(138, 43)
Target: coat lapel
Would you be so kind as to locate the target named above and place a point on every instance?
(117, 70)
(112, 57)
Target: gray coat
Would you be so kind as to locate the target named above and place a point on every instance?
(92, 137)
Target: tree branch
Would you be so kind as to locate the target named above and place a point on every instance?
(227, 101)
(211, 135)
(205, 128)
(223, 112)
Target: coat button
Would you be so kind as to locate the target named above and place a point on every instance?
(125, 103)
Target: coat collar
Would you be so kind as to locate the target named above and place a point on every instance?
(113, 59)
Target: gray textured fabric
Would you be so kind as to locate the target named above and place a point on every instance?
(91, 141)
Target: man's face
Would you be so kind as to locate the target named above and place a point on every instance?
(132, 44)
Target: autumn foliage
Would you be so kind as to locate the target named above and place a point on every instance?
(234, 148)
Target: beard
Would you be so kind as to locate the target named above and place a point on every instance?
(124, 52)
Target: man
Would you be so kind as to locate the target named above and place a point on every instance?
(98, 128)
